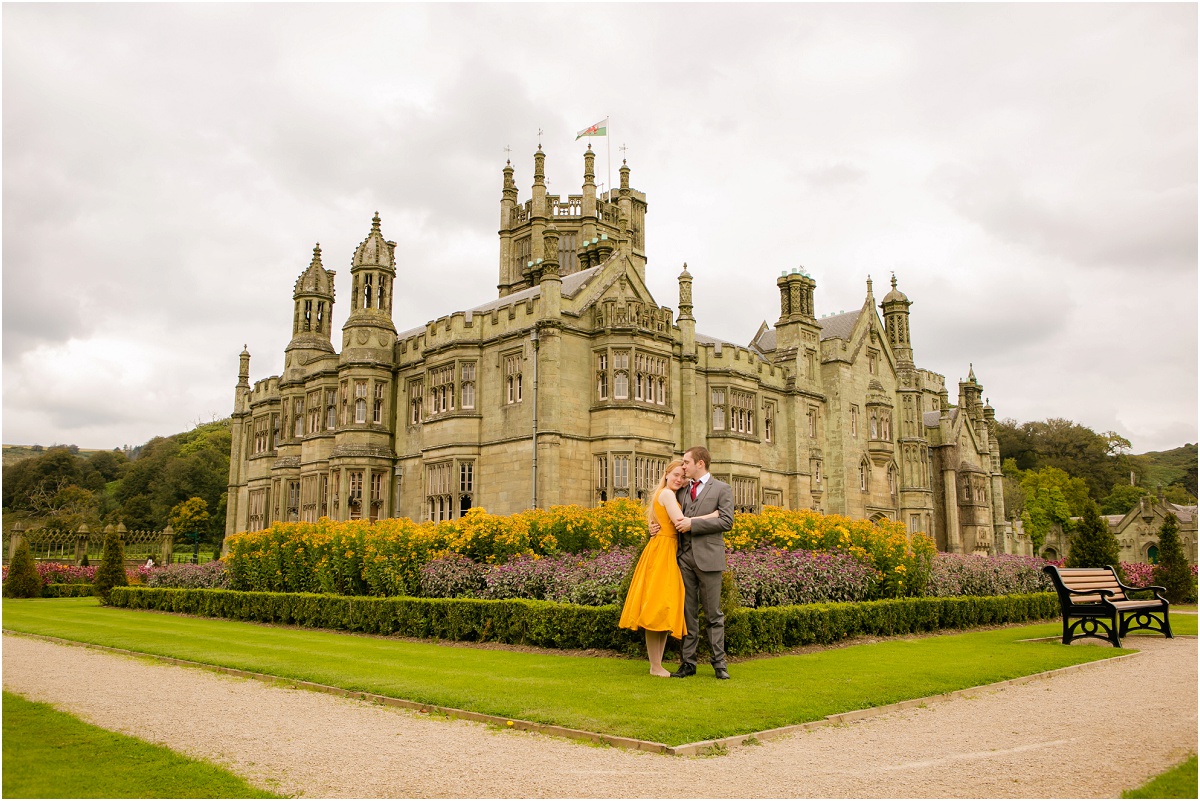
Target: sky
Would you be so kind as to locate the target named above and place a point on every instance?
(1028, 173)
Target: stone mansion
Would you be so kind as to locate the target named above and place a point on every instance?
(574, 386)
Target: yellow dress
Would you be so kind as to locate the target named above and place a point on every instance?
(655, 599)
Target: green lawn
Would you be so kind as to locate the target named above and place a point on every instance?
(606, 695)
(50, 754)
(1178, 782)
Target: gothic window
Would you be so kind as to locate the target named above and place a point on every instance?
(376, 494)
(438, 498)
(330, 409)
(914, 524)
(314, 412)
(568, 261)
(320, 316)
(872, 362)
(602, 376)
(718, 409)
(360, 401)
(810, 358)
(308, 499)
(602, 478)
(647, 472)
(772, 497)
(441, 389)
(335, 486)
(874, 424)
(863, 475)
(368, 279)
(639, 377)
(258, 508)
(293, 501)
(621, 375)
(885, 425)
(769, 421)
(660, 382)
(741, 411)
(891, 479)
(355, 496)
(817, 472)
(298, 418)
(621, 475)
(261, 432)
(416, 391)
(323, 495)
(383, 292)
(276, 431)
(854, 421)
(523, 255)
(745, 494)
(512, 378)
(345, 409)
(308, 313)
(467, 388)
(466, 487)
(377, 409)
(812, 421)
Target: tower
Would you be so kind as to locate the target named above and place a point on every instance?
(312, 300)
(372, 277)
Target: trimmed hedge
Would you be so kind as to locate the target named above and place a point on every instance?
(67, 591)
(554, 625)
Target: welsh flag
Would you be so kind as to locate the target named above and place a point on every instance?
(599, 129)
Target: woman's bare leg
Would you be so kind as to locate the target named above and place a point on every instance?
(656, 643)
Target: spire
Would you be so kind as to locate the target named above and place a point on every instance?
(373, 273)
(312, 305)
(971, 374)
(870, 292)
(589, 167)
(539, 167)
(244, 368)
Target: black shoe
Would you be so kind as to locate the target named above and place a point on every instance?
(722, 673)
(684, 671)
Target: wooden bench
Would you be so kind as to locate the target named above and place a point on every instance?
(1096, 604)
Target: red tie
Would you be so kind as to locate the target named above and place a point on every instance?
(695, 489)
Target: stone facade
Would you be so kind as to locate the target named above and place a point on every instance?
(1137, 532)
(575, 386)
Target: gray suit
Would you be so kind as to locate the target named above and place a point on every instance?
(701, 561)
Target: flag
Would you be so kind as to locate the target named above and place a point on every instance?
(599, 129)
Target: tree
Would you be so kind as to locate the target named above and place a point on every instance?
(1014, 494)
(111, 572)
(1051, 498)
(190, 520)
(1178, 494)
(1093, 544)
(1122, 498)
(1172, 571)
(23, 580)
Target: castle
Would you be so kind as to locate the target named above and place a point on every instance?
(574, 386)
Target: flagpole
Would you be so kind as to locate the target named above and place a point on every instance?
(608, 136)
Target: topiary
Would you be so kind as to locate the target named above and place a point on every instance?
(1172, 571)
(111, 572)
(23, 580)
(1093, 544)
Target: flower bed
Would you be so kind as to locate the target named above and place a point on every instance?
(965, 574)
(768, 576)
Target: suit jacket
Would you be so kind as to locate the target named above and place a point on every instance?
(707, 536)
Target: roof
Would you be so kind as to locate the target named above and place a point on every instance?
(1184, 513)
(765, 342)
(839, 326)
(931, 419)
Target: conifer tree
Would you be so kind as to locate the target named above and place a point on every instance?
(23, 580)
(1172, 570)
(1093, 544)
(111, 572)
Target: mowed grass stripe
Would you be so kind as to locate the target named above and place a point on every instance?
(605, 695)
(50, 754)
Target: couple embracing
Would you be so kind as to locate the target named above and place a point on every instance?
(680, 568)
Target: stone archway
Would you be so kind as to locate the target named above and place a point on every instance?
(1050, 555)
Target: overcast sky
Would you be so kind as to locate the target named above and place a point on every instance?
(1027, 171)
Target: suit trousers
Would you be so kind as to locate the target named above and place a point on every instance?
(701, 588)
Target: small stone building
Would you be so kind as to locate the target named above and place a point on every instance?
(574, 386)
(1137, 531)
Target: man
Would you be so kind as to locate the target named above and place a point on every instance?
(702, 558)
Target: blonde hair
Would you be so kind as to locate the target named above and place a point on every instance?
(662, 484)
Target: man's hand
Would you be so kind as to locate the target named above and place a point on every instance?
(684, 525)
(654, 527)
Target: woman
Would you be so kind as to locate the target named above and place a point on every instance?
(655, 599)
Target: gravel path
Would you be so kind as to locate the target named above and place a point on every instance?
(1037, 740)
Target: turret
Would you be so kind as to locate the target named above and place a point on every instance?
(510, 271)
(895, 319)
(312, 301)
(373, 276)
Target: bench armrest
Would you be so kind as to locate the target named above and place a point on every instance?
(1101, 593)
(1158, 591)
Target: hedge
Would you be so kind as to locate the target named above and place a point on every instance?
(554, 625)
(67, 591)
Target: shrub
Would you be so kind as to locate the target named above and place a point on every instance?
(523, 577)
(968, 574)
(453, 576)
(768, 576)
(1172, 572)
(111, 572)
(551, 625)
(23, 580)
(67, 591)
(211, 575)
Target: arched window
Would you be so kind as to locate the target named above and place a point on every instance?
(1152, 554)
